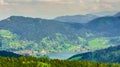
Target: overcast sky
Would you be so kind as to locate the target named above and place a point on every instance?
(52, 8)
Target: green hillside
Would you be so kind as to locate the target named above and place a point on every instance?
(111, 54)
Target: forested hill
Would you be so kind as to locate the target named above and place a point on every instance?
(111, 54)
(9, 54)
(35, 28)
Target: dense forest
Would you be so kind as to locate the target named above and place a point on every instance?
(111, 54)
(44, 62)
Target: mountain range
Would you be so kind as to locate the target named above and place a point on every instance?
(36, 36)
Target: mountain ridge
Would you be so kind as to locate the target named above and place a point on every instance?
(76, 18)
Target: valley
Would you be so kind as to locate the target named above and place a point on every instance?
(58, 40)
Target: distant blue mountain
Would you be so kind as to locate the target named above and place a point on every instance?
(117, 14)
(109, 25)
(76, 18)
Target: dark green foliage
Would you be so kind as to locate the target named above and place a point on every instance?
(9, 54)
(111, 54)
(44, 62)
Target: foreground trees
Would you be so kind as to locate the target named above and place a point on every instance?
(44, 62)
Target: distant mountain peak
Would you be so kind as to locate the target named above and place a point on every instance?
(76, 18)
(13, 16)
(21, 17)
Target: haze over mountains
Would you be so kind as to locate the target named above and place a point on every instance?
(36, 36)
(76, 18)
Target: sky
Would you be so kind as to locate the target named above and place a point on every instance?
(53, 8)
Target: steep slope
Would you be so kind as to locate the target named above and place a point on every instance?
(76, 18)
(111, 54)
(9, 54)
